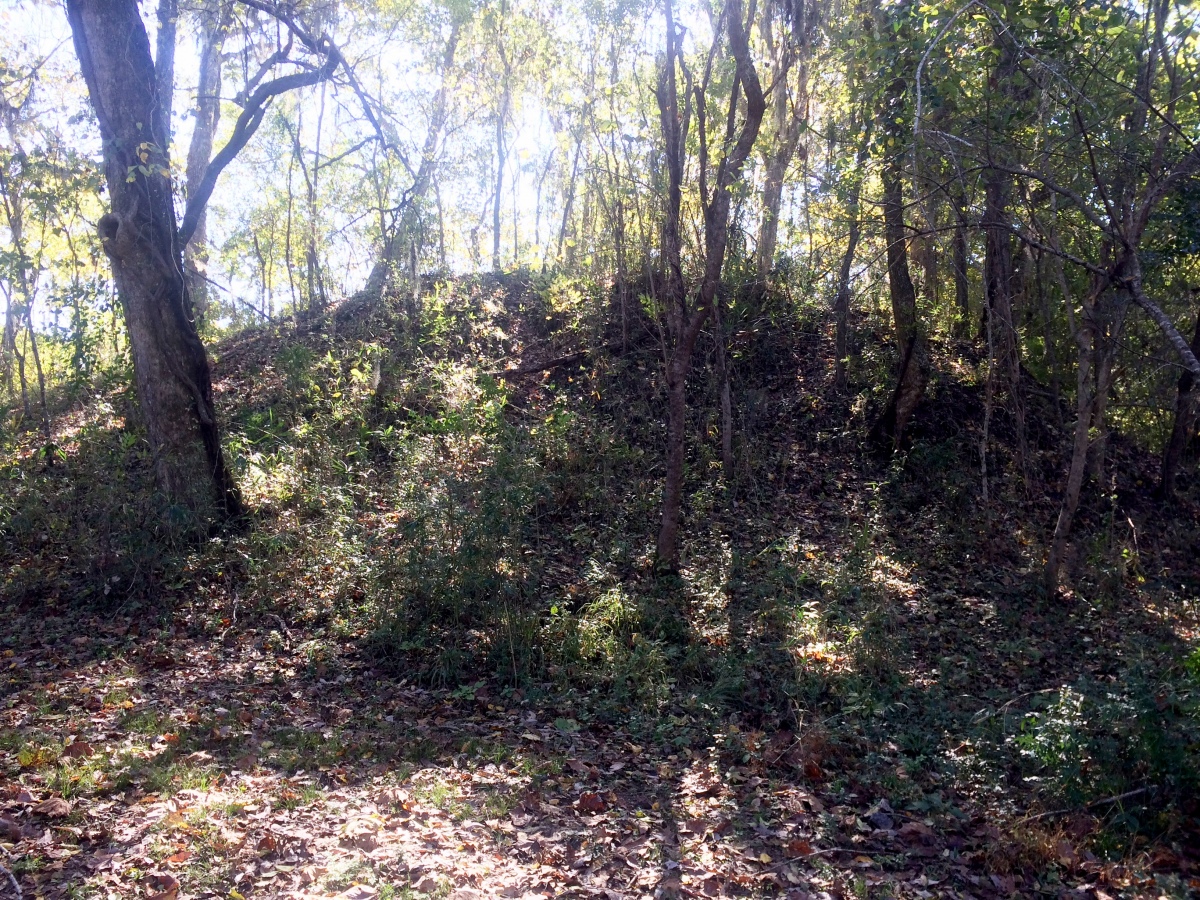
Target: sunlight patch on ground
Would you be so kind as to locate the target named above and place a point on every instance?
(893, 576)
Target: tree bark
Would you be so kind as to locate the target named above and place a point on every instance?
(998, 280)
(8, 343)
(1185, 424)
(139, 236)
(1096, 342)
(164, 63)
(788, 119)
(725, 393)
(401, 233)
(962, 286)
(910, 342)
(685, 321)
(679, 359)
(207, 115)
(501, 158)
(26, 284)
(841, 299)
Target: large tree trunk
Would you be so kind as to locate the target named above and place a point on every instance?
(1185, 425)
(910, 342)
(139, 236)
(207, 115)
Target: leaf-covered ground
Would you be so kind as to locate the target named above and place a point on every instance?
(438, 661)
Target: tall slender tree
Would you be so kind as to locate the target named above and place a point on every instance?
(686, 313)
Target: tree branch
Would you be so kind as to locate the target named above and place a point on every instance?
(244, 129)
(1178, 341)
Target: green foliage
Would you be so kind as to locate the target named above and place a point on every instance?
(1091, 741)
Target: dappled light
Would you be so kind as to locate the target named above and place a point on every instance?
(473, 450)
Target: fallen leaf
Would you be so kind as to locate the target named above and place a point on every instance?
(591, 803)
(10, 829)
(54, 808)
(165, 887)
(78, 749)
(799, 847)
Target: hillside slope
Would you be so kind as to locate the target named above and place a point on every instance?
(438, 659)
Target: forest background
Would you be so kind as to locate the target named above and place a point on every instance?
(803, 388)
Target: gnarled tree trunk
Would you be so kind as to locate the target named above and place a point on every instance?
(139, 236)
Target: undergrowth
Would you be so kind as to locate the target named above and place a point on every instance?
(459, 527)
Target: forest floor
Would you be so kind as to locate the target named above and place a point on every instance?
(438, 662)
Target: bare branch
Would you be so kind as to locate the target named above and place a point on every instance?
(244, 129)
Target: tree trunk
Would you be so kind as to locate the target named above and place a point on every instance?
(998, 279)
(501, 159)
(8, 343)
(164, 64)
(910, 342)
(1096, 351)
(841, 300)
(788, 119)
(570, 200)
(679, 359)
(962, 286)
(207, 115)
(400, 236)
(26, 284)
(684, 320)
(139, 236)
(725, 394)
(768, 230)
(1185, 425)
(1084, 395)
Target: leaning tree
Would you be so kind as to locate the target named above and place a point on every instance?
(131, 99)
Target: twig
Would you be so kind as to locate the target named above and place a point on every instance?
(984, 715)
(12, 879)
(232, 618)
(1107, 800)
(783, 863)
(286, 632)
